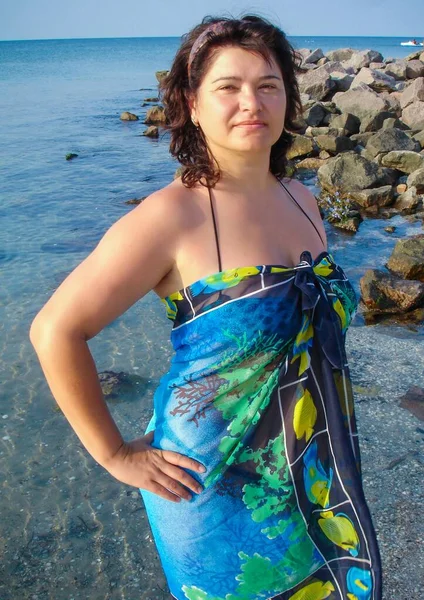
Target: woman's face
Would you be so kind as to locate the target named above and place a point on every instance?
(240, 86)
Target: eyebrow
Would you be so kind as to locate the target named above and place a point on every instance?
(234, 78)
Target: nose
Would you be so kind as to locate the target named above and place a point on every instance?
(250, 99)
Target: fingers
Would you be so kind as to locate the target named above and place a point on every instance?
(182, 461)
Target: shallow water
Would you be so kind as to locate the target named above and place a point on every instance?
(68, 529)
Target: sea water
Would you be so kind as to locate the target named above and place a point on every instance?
(68, 528)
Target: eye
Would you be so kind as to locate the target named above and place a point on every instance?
(226, 87)
(269, 85)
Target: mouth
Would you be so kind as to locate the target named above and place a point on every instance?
(251, 124)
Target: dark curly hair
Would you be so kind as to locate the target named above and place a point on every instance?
(188, 143)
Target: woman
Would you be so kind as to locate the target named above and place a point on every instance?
(258, 392)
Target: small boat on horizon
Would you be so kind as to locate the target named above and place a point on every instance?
(412, 43)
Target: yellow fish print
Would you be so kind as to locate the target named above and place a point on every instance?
(305, 414)
(340, 530)
(318, 590)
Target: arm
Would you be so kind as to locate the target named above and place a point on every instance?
(132, 257)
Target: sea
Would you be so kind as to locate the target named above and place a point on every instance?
(68, 529)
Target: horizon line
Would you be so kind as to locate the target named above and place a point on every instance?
(134, 37)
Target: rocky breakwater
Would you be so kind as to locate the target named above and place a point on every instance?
(362, 130)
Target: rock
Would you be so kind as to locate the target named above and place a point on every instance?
(419, 137)
(350, 224)
(361, 138)
(416, 179)
(152, 132)
(375, 122)
(412, 93)
(393, 123)
(363, 102)
(377, 65)
(151, 99)
(413, 115)
(324, 154)
(376, 80)
(402, 187)
(414, 55)
(115, 385)
(421, 57)
(349, 172)
(311, 163)
(160, 75)
(387, 140)
(317, 83)
(392, 100)
(135, 200)
(127, 116)
(334, 144)
(383, 293)
(71, 155)
(414, 68)
(315, 115)
(314, 131)
(403, 160)
(304, 98)
(314, 56)
(407, 202)
(413, 401)
(346, 121)
(363, 58)
(390, 229)
(322, 61)
(397, 69)
(381, 196)
(342, 80)
(301, 146)
(343, 54)
(154, 115)
(407, 258)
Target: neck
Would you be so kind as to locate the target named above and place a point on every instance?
(246, 174)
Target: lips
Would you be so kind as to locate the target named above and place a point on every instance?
(251, 123)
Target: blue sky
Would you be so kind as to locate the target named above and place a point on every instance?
(39, 19)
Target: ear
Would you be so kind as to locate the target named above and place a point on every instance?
(192, 107)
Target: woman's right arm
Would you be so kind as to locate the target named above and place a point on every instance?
(129, 261)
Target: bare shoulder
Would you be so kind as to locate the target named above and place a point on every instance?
(302, 193)
(308, 202)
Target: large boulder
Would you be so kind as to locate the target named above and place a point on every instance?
(363, 58)
(408, 202)
(315, 115)
(413, 115)
(314, 56)
(334, 143)
(376, 122)
(419, 137)
(387, 140)
(375, 79)
(345, 121)
(383, 293)
(317, 83)
(160, 75)
(350, 171)
(342, 80)
(380, 196)
(128, 116)
(301, 146)
(402, 160)
(397, 69)
(363, 102)
(342, 54)
(414, 68)
(413, 92)
(155, 115)
(407, 258)
(416, 179)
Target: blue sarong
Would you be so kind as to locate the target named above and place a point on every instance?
(259, 391)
